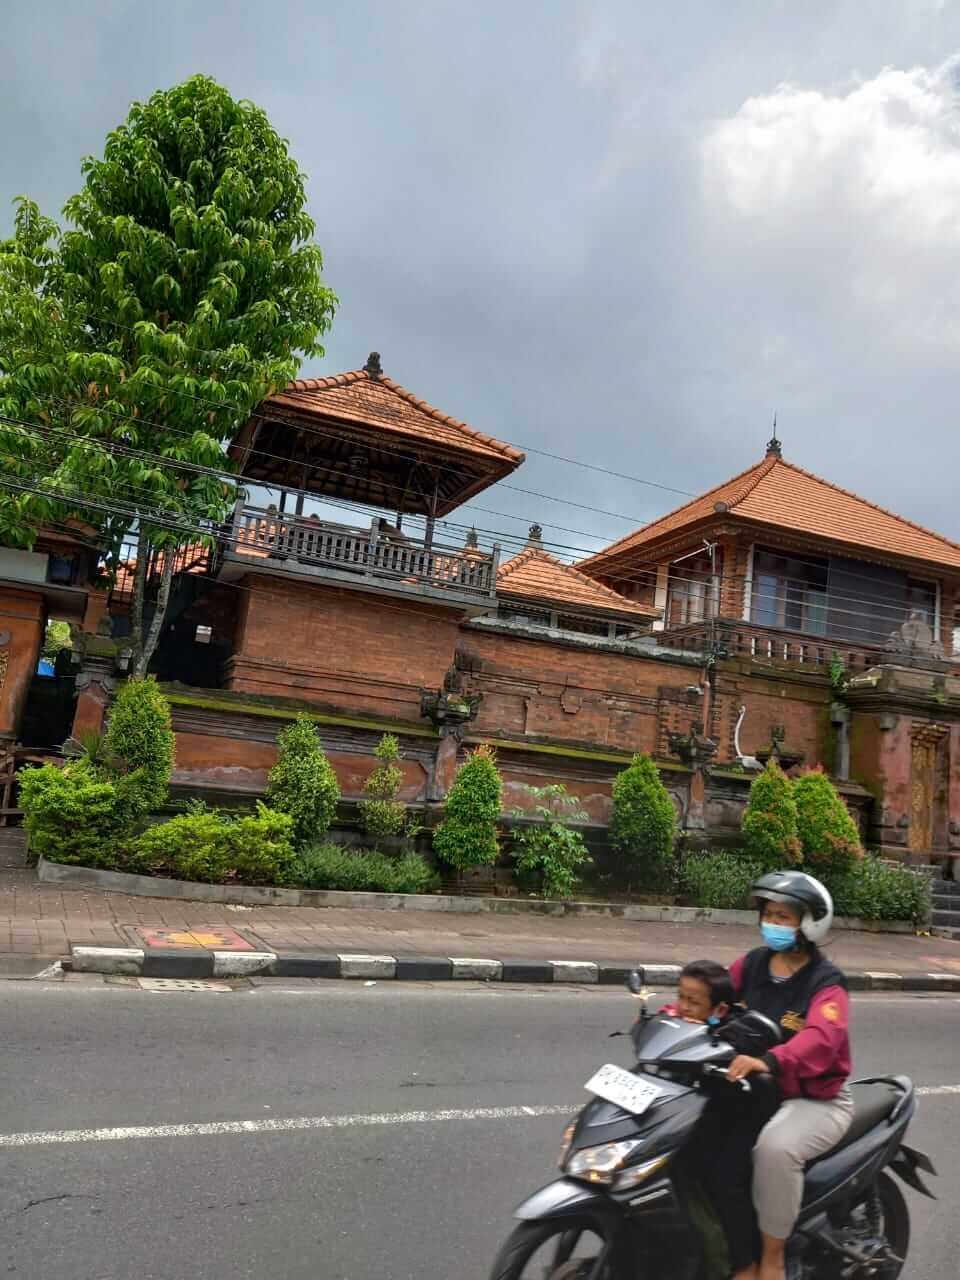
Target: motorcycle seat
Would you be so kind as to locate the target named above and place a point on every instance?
(873, 1101)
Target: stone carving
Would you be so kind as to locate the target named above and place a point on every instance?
(915, 639)
(4, 655)
(693, 748)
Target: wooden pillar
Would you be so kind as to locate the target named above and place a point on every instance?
(22, 621)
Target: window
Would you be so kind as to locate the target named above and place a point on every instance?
(535, 617)
(691, 591)
(788, 593)
(582, 625)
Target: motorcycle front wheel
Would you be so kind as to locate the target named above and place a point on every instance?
(567, 1250)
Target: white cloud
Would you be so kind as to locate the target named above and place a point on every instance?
(849, 202)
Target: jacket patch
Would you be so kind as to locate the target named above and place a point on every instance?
(793, 1021)
(831, 1011)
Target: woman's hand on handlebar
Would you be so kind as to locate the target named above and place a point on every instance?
(743, 1065)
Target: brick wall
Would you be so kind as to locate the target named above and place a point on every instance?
(343, 648)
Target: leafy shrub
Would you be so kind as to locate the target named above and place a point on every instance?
(468, 835)
(720, 880)
(302, 783)
(213, 848)
(828, 834)
(872, 890)
(139, 748)
(551, 847)
(643, 824)
(70, 814)
(382, 814)
(330, 866)
(770, 821)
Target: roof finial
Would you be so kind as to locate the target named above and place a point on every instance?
(774, 449)
(472, 539)
(372, 367)
(535, 536)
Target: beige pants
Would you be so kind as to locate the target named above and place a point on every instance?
(801, 1130)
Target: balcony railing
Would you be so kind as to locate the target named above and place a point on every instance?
(746, 640)
(298, 544)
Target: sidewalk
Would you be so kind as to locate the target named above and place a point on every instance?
(45, 920)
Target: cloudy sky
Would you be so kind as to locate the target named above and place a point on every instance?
(620, 232)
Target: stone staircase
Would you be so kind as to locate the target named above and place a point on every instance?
(13, 847)
(945, 902)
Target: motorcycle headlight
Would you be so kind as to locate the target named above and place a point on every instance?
(600, 1164)
(565, 1141)
(638, 1173)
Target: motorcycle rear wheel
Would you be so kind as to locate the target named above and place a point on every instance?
(894, 1225)
(531, 1242)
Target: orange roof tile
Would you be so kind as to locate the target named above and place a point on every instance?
(534, 574)
(368, 397)
(783, 496)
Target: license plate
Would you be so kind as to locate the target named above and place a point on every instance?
(622, 1088)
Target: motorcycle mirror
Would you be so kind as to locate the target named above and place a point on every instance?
(635, 982)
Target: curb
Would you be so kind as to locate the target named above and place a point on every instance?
(274, 896)
(188, 963)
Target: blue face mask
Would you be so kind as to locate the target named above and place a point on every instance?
(779, 937)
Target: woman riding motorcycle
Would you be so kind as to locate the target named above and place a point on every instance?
(791, 982)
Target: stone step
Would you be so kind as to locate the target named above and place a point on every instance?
(939, 931)
(13, 847)
(945, 888)
(945, 919)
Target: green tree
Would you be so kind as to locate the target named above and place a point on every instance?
(769, 822)
(643, 824)
(468, 835)
(552, 847)
(302, 783)
(140, 742)
(381, 813)
(828, 834)
(136, 343)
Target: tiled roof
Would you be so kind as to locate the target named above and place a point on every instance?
(372, 398)
(534, 574)
(783, 496)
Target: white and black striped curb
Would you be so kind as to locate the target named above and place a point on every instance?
(183, 963)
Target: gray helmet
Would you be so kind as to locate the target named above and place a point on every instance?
(796, 889)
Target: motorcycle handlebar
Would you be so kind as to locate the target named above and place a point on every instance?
(709, 1069)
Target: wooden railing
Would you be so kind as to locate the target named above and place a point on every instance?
(733, 639)
(309, 541)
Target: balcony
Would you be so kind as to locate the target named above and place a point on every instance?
(734, 639)
(264, 540)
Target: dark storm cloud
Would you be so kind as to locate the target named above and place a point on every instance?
(603, 230)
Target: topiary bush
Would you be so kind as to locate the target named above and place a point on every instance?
(381, 813)
(468, 835)
(769, 823)
(70, 815)
(329, 866)
(720, 880)
(828, 834)
(302, 783)
(643, 825)
(873, 890)
(139, 748)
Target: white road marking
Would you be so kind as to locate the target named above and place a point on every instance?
(62, 1137)
(219, 1128)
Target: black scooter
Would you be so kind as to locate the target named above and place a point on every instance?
(624, 1208)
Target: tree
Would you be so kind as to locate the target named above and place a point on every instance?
(828, 834)
(381, 813)
(552, 846)
(769, 822)
(135, 344)
(302, 783)
(643, 823)
(468, 835)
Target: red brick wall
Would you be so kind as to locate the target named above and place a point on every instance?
(345, 649)
(568, 694)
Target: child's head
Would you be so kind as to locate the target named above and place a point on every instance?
(705, 991)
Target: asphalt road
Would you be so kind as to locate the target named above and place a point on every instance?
(414, 1197)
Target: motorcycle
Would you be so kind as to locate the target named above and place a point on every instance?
(624, 1207)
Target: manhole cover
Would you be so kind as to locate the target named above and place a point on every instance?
(182, 984)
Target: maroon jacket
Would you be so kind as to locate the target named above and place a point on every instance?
(812, 1009)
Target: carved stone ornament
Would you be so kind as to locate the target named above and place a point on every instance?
(915, 639)
(693, 748)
